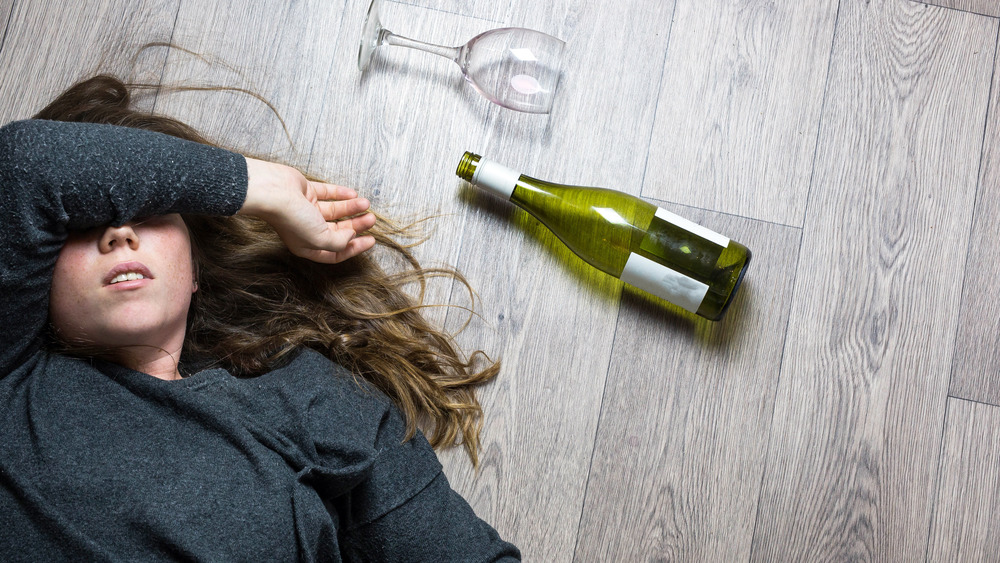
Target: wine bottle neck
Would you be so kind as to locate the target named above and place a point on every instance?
(496, 178)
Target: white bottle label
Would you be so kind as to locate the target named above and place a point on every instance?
(693, 227)
(663, 282)
(497, 177)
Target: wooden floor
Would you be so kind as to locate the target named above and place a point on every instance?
(846, 409)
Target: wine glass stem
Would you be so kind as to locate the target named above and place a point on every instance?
(387, 37)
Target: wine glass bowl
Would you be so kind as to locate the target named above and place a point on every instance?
(513, 67)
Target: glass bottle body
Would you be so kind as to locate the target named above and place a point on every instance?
(630, 239)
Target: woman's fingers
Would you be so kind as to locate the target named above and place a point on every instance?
(331, 192)
(335, 210)
(319, 221)
(352, 248)
(357, 225)
(348, 216)
(338, 241)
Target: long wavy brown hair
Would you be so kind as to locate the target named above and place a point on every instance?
(257, 302)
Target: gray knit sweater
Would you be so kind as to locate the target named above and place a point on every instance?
(102, 463)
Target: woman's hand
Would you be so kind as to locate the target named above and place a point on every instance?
(321, 222)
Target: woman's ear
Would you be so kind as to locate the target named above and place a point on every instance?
(194, 275)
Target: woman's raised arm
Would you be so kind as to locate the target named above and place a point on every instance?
(60, 176)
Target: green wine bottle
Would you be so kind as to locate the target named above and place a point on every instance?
(643, 245)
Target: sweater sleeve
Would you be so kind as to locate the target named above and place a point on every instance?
(58, 176)
(436, 524)
(400, 506)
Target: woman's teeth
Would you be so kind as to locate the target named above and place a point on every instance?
(127, 277)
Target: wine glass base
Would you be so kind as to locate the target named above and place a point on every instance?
(370, 33)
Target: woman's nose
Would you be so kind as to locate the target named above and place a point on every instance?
(115, 237)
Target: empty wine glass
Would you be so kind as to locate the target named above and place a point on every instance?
(513, 67)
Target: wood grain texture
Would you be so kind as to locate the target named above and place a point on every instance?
(344, 127)
(253, 46)
(686, 415)
(6, 8)
(975, 374)
(398, 131)
(983, 7)
(51, 45)
(739, 106)
(497, 13)
(966, 513)
(554, 317)
(814, 423)
(533, 15)
(860, 406)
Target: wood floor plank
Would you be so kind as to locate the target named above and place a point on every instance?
(498, 13)
(48, 48)
(6, 7)
(397, 132)
(686, 416)
(548, 315)
(983, 7)
(278, 50)
(532, 15)
(975, 375)
(739, 107)
(364, 131)
(850, 437)
(966, 514)
(860, 406)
